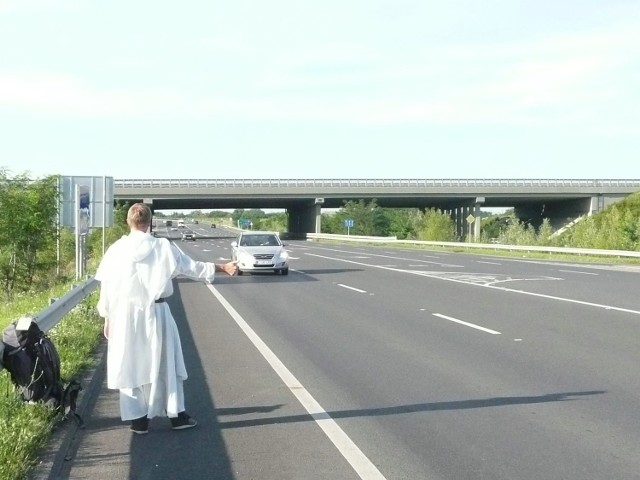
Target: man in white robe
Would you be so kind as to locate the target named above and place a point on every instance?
(144, 355)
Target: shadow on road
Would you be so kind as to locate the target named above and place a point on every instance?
(198, 453)
(415, 408)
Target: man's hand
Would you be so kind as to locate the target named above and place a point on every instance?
(230, 268)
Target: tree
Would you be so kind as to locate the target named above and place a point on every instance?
(544, 236)
(518, 233)
(368, 218)
(332, 223)
(401, 223)
(437, 227)
(28, 214)
(276, 222)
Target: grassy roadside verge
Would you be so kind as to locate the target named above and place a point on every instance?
(27, 428)
(514, 254)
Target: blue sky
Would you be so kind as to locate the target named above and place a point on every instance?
(331, 89)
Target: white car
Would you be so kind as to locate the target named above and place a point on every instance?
(259, 251)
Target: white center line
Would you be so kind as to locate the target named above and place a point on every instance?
(575, 271)
(489, 263)
(477, 327)
(352, 288)
(358, 460)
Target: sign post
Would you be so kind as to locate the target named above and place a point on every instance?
(85, 203)
(470, 220)
(82, 201)
(348, 223)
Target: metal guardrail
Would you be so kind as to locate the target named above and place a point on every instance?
(355, 183)
(50, 316)
(492, 246)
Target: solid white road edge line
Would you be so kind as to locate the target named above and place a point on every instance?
(478, 327)
(349, 450)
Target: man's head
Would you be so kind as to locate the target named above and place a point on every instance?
(139, 217)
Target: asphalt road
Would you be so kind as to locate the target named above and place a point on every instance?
(378, 363)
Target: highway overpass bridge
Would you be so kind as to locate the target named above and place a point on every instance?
(559, 200)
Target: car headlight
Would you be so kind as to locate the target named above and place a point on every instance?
(284, 255)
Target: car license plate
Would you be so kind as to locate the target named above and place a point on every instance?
(263, 262)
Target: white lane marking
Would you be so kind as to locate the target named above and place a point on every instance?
(582, 273)
(394, 257)
(358, 460)
(352, 288)
(489, 263)
(504, 289)
(431, 264)
(472, 325)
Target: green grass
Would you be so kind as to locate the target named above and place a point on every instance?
(26, 428)
(532, 254)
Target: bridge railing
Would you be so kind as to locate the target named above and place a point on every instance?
(392, 183)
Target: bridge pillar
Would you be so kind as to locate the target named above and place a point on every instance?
(318, 218)
(458, 220)
(477, 214)
(597, 204)
(466, 210)
(303, 219)
(461, 223)
(476, 223)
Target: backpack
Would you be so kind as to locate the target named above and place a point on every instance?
(33, 363)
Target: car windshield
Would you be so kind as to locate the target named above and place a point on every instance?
(258, 240)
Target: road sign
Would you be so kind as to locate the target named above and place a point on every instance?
(471, 219)
(348, 223)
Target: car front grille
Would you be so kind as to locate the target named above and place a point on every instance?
(263, 256)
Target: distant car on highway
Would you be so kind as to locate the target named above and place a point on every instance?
(259, 251)
(188, 236)
(213, 225)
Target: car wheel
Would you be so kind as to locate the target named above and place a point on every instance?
(284, 271)
(240, 272)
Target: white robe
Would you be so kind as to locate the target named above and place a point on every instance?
(144, 344)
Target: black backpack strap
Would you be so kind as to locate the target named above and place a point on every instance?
(70, 400)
